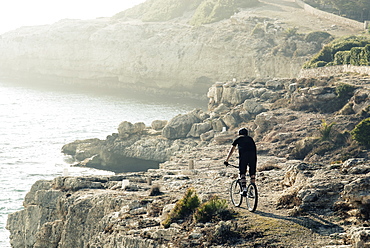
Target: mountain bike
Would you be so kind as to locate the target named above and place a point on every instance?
(237, 194)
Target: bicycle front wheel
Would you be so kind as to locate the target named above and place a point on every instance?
(252, 197)
(236, 197)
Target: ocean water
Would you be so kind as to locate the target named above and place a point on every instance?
(36, 121)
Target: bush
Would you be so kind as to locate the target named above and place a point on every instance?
(355, 55)
(325, 130)
(328, 52)
(342, 58)
(214, 209)
(290, 32)
(361, 133)
(320, 64)
(183, 208)
(318, 36)
(365, 56)
(344, 91)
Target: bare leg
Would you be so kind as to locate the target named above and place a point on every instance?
(253, 179)
(243, 180)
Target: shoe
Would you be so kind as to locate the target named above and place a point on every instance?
(250, 194)
(244, 192)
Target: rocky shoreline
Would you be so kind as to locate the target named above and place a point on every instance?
(313, 193)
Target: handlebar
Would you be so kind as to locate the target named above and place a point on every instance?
(228, 164)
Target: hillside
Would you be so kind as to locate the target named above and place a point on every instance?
(268, 39)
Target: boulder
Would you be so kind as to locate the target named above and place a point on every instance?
(159, 124)
(215, 95)
(231, 119)
(199, 128)
(126, 129)
(253, 107)
(360, 237)
(218, 125)
(274, 85)
(207, 136)
(179, 126)
(357, 195)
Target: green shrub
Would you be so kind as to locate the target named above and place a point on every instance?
(365, 56)
(344, 91)
(361, 132)
(325, 130)
(320, 64)
(342, 58)
(317, 36)
(328, 52)
(355, 55)
(290, 32)
(214, 209)
(321, 58)
(183, 208)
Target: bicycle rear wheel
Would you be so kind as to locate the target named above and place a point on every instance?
(236, 197)
(252, 197)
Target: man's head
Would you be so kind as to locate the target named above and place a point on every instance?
(243, 131)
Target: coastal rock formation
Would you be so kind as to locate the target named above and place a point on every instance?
(100, 211)
(284, 115)
(312, 183)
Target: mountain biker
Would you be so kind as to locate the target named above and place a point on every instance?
(247, 156)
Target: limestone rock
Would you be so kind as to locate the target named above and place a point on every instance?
(198, 129)
(126, 129)
(158, 124)
(360, 236)
(253, 107)
(180, 125)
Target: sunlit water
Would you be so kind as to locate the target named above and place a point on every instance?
(36, 122)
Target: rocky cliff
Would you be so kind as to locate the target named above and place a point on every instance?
(313, 191)
(258, 41)
(272, 109)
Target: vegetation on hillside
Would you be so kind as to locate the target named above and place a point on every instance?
(204, 11)
(354, 50)
(361, 132)
(189, 208)
(210, 11)
(354, 9)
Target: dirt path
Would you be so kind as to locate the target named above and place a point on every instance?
(289, 13)
(269, 226)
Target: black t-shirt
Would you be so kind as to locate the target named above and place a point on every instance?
(246, 145)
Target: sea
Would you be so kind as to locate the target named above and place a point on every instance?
(37, 119)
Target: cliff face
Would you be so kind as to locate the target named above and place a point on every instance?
(161, 55)
(299, 204)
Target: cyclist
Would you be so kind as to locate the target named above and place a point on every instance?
(247, 156)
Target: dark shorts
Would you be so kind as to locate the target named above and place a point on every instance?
(250, 161)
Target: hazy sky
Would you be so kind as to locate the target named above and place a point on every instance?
(17, 13)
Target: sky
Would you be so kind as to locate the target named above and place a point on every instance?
(18, 13)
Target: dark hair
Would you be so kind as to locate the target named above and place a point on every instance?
(243, 131)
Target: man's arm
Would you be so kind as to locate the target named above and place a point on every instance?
(232, 149)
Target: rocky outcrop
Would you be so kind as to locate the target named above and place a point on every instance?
(101, 211)
(273, 110)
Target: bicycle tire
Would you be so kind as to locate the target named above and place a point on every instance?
(252, 197)
(236, 197)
